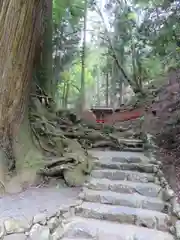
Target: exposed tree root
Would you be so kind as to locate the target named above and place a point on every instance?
(64, 140)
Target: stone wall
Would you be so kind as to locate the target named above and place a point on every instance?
(168, 193)
(43, 226)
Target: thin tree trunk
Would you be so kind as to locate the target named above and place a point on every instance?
(113, 85)
(46, 75)
(20, 29)
(63, 95)
(121, 92)
(98, 88)
(66, 95)
(107, 89)
(82, 99)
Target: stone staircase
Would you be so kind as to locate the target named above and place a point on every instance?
(122, 200)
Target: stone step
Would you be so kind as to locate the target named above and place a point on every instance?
(113, 198)
(131, 144)
(141, 167)
(133, 149)
(77, 238)
(103, 230)
(130, 140)
(126, 160)
(124, 157)
(121, 214)
(123, 175)
(144, 189)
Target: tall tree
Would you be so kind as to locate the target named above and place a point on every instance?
(20, 31)
(82, 99)
(46, 77)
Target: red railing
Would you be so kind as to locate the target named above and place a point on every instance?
(110, 117)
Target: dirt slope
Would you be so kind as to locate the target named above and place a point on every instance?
(163, 121)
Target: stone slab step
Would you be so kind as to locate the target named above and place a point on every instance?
(77, 238)
(133, 149)
(125, 157)
(123, 175)
(113, 198)
(126, 160)
(144, 189)
(141, 167)
(131, 144)
(121, 214)
(130, 140)
(81, 228)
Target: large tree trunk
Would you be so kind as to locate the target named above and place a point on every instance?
(1, 3)
(20, 29)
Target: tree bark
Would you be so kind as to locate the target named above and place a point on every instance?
(20, 29)
(1, 3)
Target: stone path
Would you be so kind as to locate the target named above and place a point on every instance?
(36, 213)
(125, 198)
(35, 201)
(122, 200)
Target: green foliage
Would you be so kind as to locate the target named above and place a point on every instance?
(144, 35)
(67, 9)
(73, 78)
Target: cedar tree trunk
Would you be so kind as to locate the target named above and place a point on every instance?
(20, 29)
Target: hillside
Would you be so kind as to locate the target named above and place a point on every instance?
(162, 120)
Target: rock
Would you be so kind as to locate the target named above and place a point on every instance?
(156, 180)
(78, 202)
(67, 214)
(159, 163)
(177, 228)
(172, 230)
(59, 232)
(53, 223)
(174, 201)
(178, 215)
(175, 208)
(160, 173)
(163, 181)
(148, 222)
(16, 226)
(64, 209)
(153, 158)
(39, 232)
(2, 230)
(155, 169)
(40, 218)
(79, 231)
(16, 236)
(168, 194)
